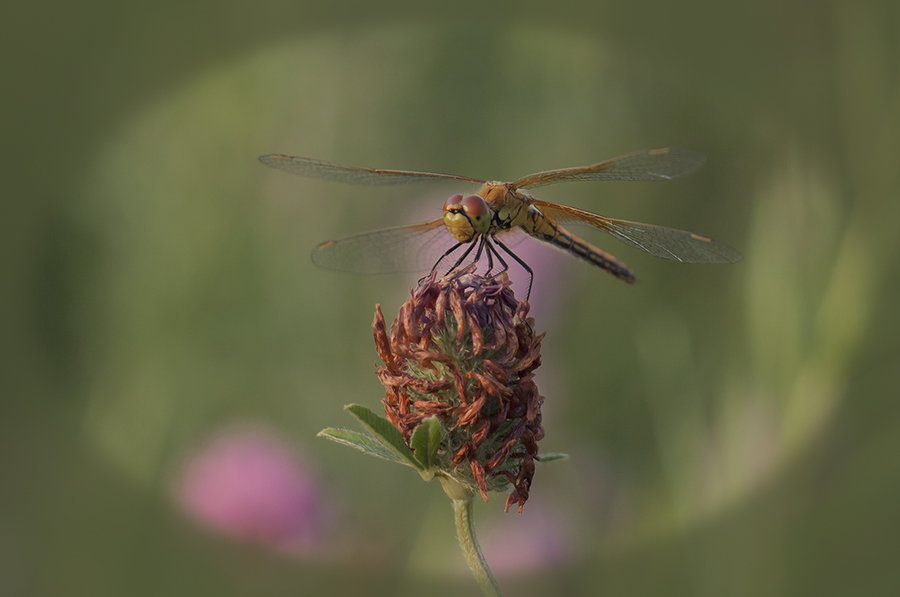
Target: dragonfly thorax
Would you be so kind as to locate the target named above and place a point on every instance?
(467, 217)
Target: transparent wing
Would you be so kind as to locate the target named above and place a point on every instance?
(668, 243)
(663, 163)
(413, 248)
(352, 174)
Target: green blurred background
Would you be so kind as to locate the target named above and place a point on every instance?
(733, 430)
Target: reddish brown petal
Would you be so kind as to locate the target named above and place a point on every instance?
(490, 385)
(477, 335)
(429, 356)
(472, 412)
(382, 342)
(481, 433)
(456, 306)
(478, 475)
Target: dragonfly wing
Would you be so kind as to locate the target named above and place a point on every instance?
(668, 243)
(662, 163)
(352, 174)
(672, 243)
(413, 248)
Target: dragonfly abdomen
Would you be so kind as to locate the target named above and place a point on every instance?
(551, 232)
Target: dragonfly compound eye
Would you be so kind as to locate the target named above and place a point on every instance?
(474, 207)
(466, 218)
(477, 213)
(452, 203)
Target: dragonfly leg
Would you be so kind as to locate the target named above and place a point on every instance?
(489, 252)
(438, 262)
(442, 257)
(461, 257)
(492, 251)
(480, 249)
(524, 265)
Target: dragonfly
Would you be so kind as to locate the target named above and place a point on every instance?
(487, 221)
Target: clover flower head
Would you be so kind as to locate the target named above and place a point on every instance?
(464, 350)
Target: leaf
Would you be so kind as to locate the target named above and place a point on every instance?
(384, 432)
(425, 441)
(551, 456)
(362, 442)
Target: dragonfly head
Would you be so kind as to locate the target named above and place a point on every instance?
(466, 217)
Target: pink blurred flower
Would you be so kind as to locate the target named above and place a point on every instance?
(537, 540)
(249, 483)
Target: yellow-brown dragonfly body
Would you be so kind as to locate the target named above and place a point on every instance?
(508, 209)
(485, 219)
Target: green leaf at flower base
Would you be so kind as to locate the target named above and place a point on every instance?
(384, 432)
(425, 441)
(551, 456)
(362, 442)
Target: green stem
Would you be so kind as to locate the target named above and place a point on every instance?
(465, 532)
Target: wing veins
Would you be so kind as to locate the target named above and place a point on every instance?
(397, 249)
(353, 174)
(661, 241)
(659, 164)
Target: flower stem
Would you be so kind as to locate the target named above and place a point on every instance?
(465, 532)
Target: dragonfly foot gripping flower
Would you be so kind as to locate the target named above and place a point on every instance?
(463, 350)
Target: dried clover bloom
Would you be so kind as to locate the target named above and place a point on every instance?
(462, 349)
